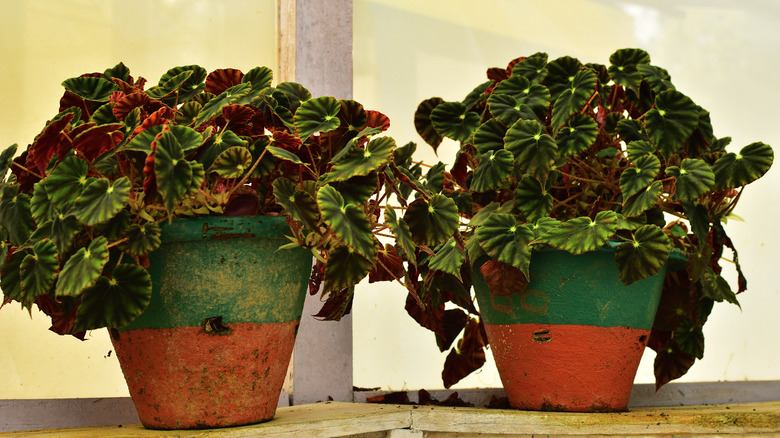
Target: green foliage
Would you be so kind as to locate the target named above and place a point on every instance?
(82, 208)
(583, 156)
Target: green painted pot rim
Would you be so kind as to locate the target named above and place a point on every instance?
(223, 227)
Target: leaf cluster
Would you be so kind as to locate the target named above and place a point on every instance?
(557, 153)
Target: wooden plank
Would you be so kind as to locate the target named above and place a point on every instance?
(315, 49)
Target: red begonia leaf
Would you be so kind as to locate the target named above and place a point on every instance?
(220, 80)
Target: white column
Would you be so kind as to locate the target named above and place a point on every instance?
(315, 49)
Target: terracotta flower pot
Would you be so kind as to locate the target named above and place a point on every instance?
(573, 339)
(212, 348)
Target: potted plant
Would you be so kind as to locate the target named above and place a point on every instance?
(184, 216)
(589, 189)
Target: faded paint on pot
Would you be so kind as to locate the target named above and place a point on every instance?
(213, 347)
(573, 339)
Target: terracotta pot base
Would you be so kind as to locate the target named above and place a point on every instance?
(241, 369)
(574, 368)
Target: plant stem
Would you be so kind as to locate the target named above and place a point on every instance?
(246, 176)
(14, 163)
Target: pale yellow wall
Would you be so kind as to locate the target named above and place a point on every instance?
(724, 54)
(43, 42)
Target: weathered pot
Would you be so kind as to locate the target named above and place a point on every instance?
(212, 348)
(573, 339)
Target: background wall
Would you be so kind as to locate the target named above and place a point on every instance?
(723, 54)
(42, 43)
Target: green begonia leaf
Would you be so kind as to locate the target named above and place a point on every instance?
(11, 280)
(449, 258)
(423, 124)
(433, 221)
(643, 200)
(494, 207)
(295, 92)
(317, 115)
(66, 181)
(91, 88)
(715, 287)
(639, 148)
(657, 77)
(101, 200)
(560, 75)
(284, 154)
(41, 207)
(689, 338)
(623, 68)
(142, 238)
(632, 130)
(532, 67)
(6, 158)
(357, 189)
(672, 121)
(574, 98)
(37, 271)
(403, 236)
(454, 120)
(693, 178)
(532, 199)
(582, 234)
(434, 178)
(83, 268)
(360, 162)
(170, 86)
(215, 106)
(578, 136)
(61, 230)
(735, 170)
(173, 172)
(534, 151)
(117, 300)
(636, 178)
(493, 170)
(345, 268)
(477, 95)
(489, 136)
(259, 77)
(192, 86)
(643, 256)
(233, 162)
(347, 221)
(505, 240)
(531, 99)
(15, 215)
(543, 225)
(299, 204)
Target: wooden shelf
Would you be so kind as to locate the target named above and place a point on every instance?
(361, 420)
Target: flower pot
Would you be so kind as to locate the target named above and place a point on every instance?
(212, 348)
(573, 339)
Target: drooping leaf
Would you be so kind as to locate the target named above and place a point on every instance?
(232, 162)
(317, 115)
(623, 67)
(693, 178)
(532, 199)
(403, 236)
(643, 200)
(360, 162)
(66, 181)
(299, 204)
(505, 240)
(142, 238)
(643, 256)
(493, 170)
(214, 106)
(534, 151)
(574, 98)
(347, 221)
(689, 338)
(101, 200)
(489, 136)
(735, 170)
(6, 158)
(432, 222)
(582, 234)
(636, 178)
(671, 364)
(423, 124)
(454, 120)
(37, 271)
(11, 280)
(91, 88)
(15, 214)
(468, 356)
(672, 121)
(83, 268)
(449, 258)
(345, 268)
(173, 172)
(117, 300)
(284, 154)
(715, 287)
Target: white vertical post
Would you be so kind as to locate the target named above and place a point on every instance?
(315, 49)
